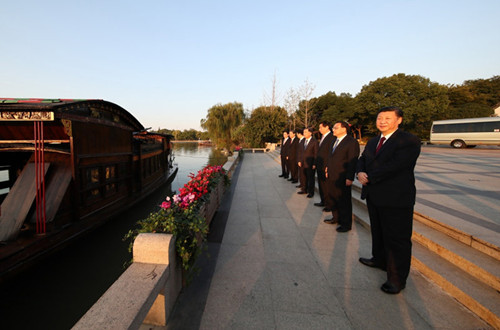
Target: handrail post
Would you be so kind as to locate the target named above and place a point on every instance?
(152, 248)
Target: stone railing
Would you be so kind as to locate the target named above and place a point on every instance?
(209, 208)
(230, 165)
(144, 293)
(253, 150)
(147, 290)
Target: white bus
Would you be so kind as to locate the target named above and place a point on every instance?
(461, 133)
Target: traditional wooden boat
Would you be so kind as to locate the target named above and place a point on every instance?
(66, 166)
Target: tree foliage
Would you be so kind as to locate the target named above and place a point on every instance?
(422, 101)
(187, 134)
(484, 91)
(221, 120)
(474, 98)
(339, 107)
(265, 125)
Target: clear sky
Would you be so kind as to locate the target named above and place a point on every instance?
(168, 62)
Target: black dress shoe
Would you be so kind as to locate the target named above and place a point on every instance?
(299, 186)
(301, 192)
(342, 229)
(370, 263)
(290, 179)
(310, 195)
(319, 204)
(331, 221)
(281, 176)
(391, 288)
(294, 181)
(327, 209)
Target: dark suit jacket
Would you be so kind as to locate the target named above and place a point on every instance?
(285, 147)
(300, 151)
(342, 163)
(390, 172)
(292, 153)
(310, 153)
(324, 151)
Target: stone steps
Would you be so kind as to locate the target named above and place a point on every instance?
(465, 267)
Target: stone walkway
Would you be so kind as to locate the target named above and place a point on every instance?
(274, 264)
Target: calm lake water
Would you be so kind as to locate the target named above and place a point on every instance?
(58, 291)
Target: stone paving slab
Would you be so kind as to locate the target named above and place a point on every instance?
(278, 266)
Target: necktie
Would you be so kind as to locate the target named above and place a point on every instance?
(380, 143)
(305, 144)
(335, 145)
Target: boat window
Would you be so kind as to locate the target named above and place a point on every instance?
(92, 181)
(110, 172)
(110, 187)
(93, 175)
(4, 182)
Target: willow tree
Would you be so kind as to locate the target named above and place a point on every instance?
(221, 120)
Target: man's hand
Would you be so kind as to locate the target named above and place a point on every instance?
(348, 182)
(326, 172)
(363, 178)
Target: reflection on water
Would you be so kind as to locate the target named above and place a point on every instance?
(58, 291)
(191, 158)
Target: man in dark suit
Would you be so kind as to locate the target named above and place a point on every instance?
(292, 157)
(323, 153)
(300, 160)
(285, 143)
(386, 171)
(340, 170)
(310, 154)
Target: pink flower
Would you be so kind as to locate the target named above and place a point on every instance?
(177, 199)
(195, 188)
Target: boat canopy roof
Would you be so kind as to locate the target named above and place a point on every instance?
(89, 110)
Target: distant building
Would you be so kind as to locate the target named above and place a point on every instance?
(496, 110)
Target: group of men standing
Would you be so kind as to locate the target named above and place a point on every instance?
(386, 171)
(333, 159)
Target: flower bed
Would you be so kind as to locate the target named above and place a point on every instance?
(209, 208)
(188, 214)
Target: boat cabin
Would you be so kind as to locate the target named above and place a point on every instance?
(65, 161)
